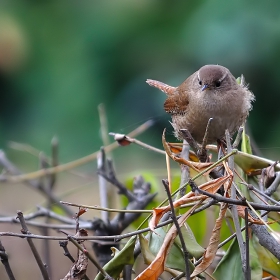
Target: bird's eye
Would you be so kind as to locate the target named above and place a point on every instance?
(199, 82)
(218, 83)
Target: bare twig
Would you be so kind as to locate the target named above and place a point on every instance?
(248, 269)
(32, 247)
(185, 251)
(234, 209)
(185, 171)
(267, 240)
(66, 253)
(252, 188)
(188, 137)
(35, 184)
(205, 137)
(95, 207)
(103, 192)
(122, 137)
(91, 258)
(238, 137)
(5, 261)
(220, 198)
(48, 183)
(273, 187)
(110, 176)
(194, 178)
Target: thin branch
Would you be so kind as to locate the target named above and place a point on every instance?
(95, 207)
(66, 253)
(190, 180)
(234, 209)
(238, 137)
(33, 183)
(48, 184)
(248, 269)
(185, 171)
(188, 137)
(91, 258)
(32, 247)
(103, 188)
(252, 188)
(121, 138)
(273, 187)
(185, 250)
(267, 240)
(110, 176)
(203, 151)
(5, 261)
(220, 198)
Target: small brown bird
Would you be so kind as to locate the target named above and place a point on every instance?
(211, 92)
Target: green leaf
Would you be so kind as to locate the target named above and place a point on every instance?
(249, 162)
(192, 246)
(175, 257)
(230, 266)
(198, 224)
(246, 144)
(268, 261)
(145, 249)
(121, 258)
(149, 256)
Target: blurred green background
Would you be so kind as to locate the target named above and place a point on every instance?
(60, 59)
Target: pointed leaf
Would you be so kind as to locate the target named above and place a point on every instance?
(212, 187)
(175, 258)
(155, 269)
(212, 248)
(192, 246)
(269, 262)
(230, 266)
(115, 266)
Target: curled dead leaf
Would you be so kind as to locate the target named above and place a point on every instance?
(160, 211)
(212, 248)
(155, 269)
(81, 212)
(251, 219)
(212, 187)
(79, 267)
(122, 139)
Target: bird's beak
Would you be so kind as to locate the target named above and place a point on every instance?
(204, 87)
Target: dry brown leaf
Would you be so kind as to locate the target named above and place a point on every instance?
(160, 211)
(241, 213)
(79, 268)
(82, 211)
(155, 269)
(197, 166)
(212, 248)
(214, 185)
(122, 139)
(211, 187)
(176, 148)
(268, 175)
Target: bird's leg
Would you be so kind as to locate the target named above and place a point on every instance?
(201, 153)
(188, 137)
(238, 137)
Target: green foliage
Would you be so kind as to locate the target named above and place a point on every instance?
(230, 266)
(121, 258)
